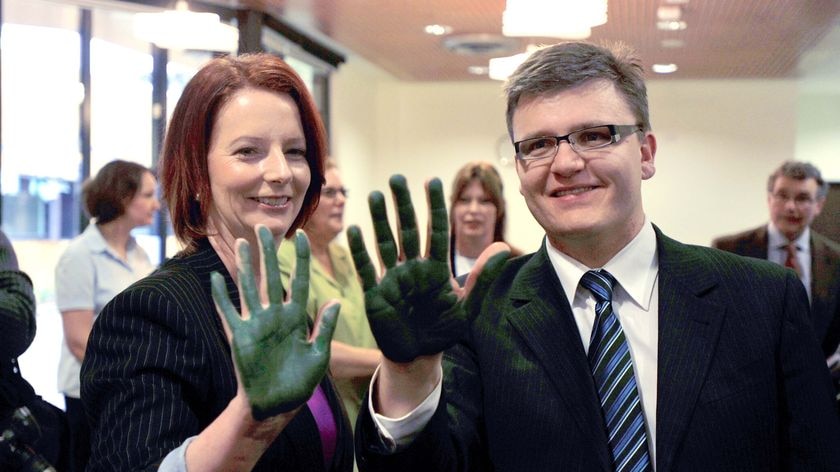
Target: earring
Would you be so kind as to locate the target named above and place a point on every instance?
(197, 197)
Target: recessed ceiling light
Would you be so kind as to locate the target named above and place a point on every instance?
(671, 25)
(437, 30)
(672, 43)
(669, 13)
(478, 70)
(676, 2)
(664, 68)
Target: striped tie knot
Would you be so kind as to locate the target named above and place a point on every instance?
(600, 283)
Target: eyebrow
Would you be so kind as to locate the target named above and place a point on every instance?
(247, 139)
(578, 127)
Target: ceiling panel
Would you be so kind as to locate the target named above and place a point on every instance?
(724, 38)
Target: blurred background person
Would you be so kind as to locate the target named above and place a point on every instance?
(98, 264)
(796, 194)
(23, 439)
(245, 148)
(354, 354)
(477, 216)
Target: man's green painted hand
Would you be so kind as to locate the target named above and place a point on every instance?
(278, 362)
(416, 309)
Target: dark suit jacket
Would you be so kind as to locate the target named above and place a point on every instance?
(825, 278)
(741, 384)
(17, 331)
(158, 370)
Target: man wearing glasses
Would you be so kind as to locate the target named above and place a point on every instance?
(613, 347)
(796, 194)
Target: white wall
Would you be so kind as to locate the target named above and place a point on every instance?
(818, 130)
(718, 141)
(381, 126)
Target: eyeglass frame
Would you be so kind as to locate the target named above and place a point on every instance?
(333, 192)
(798, 200)
(617, 133)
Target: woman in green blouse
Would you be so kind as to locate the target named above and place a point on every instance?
(354, 353)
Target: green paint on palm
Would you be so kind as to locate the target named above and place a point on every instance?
(413, 310)
(278, 366)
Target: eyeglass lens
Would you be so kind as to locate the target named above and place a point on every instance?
(581, 141)
(332, 192)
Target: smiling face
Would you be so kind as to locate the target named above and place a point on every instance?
(474, 218)
(141, 209)
(328, 220)
(256, 165)
(590, 206)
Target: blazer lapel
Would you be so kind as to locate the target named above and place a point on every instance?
(689, 327)
(545, 322)
(756, 245)
(824, 283)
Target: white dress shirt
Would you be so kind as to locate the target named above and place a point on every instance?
(777, 252)
(636, 303)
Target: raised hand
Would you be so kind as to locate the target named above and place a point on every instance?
(414, 310)
(279, 364)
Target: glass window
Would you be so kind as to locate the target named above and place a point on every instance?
(41, 160)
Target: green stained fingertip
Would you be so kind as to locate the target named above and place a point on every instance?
(300, 281)
(271, 270)
(249, 293)
(218, 290)
(385, 242)
(329, 319)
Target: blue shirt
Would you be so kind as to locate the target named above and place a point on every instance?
(88, 275)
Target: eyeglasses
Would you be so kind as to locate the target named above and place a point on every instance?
(582, 141)
(800, 200)
(332, 192)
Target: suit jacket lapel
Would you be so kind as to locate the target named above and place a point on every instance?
(757, 245)
(689, 327)
(823, 284)
(545, 322)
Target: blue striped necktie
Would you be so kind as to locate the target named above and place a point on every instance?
(612, 369)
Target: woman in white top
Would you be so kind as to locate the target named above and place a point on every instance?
(97, 265)
(477, 215)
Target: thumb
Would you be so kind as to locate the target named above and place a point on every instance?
(486, 269)
(325, 326)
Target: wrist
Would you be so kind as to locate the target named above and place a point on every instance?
(400, 387)
(259, 430)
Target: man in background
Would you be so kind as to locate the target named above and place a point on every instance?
(796, 194)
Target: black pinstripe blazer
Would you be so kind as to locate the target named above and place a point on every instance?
(825, 278)
(158, 370)
(741, 383)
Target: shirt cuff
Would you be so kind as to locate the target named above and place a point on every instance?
(176, 460)
(400, 432)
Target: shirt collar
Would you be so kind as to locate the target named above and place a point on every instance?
(776, 240)
(625, 266)
(96, 242)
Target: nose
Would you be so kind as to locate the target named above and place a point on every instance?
(473, 206)
(275, 167)
(567, 161)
